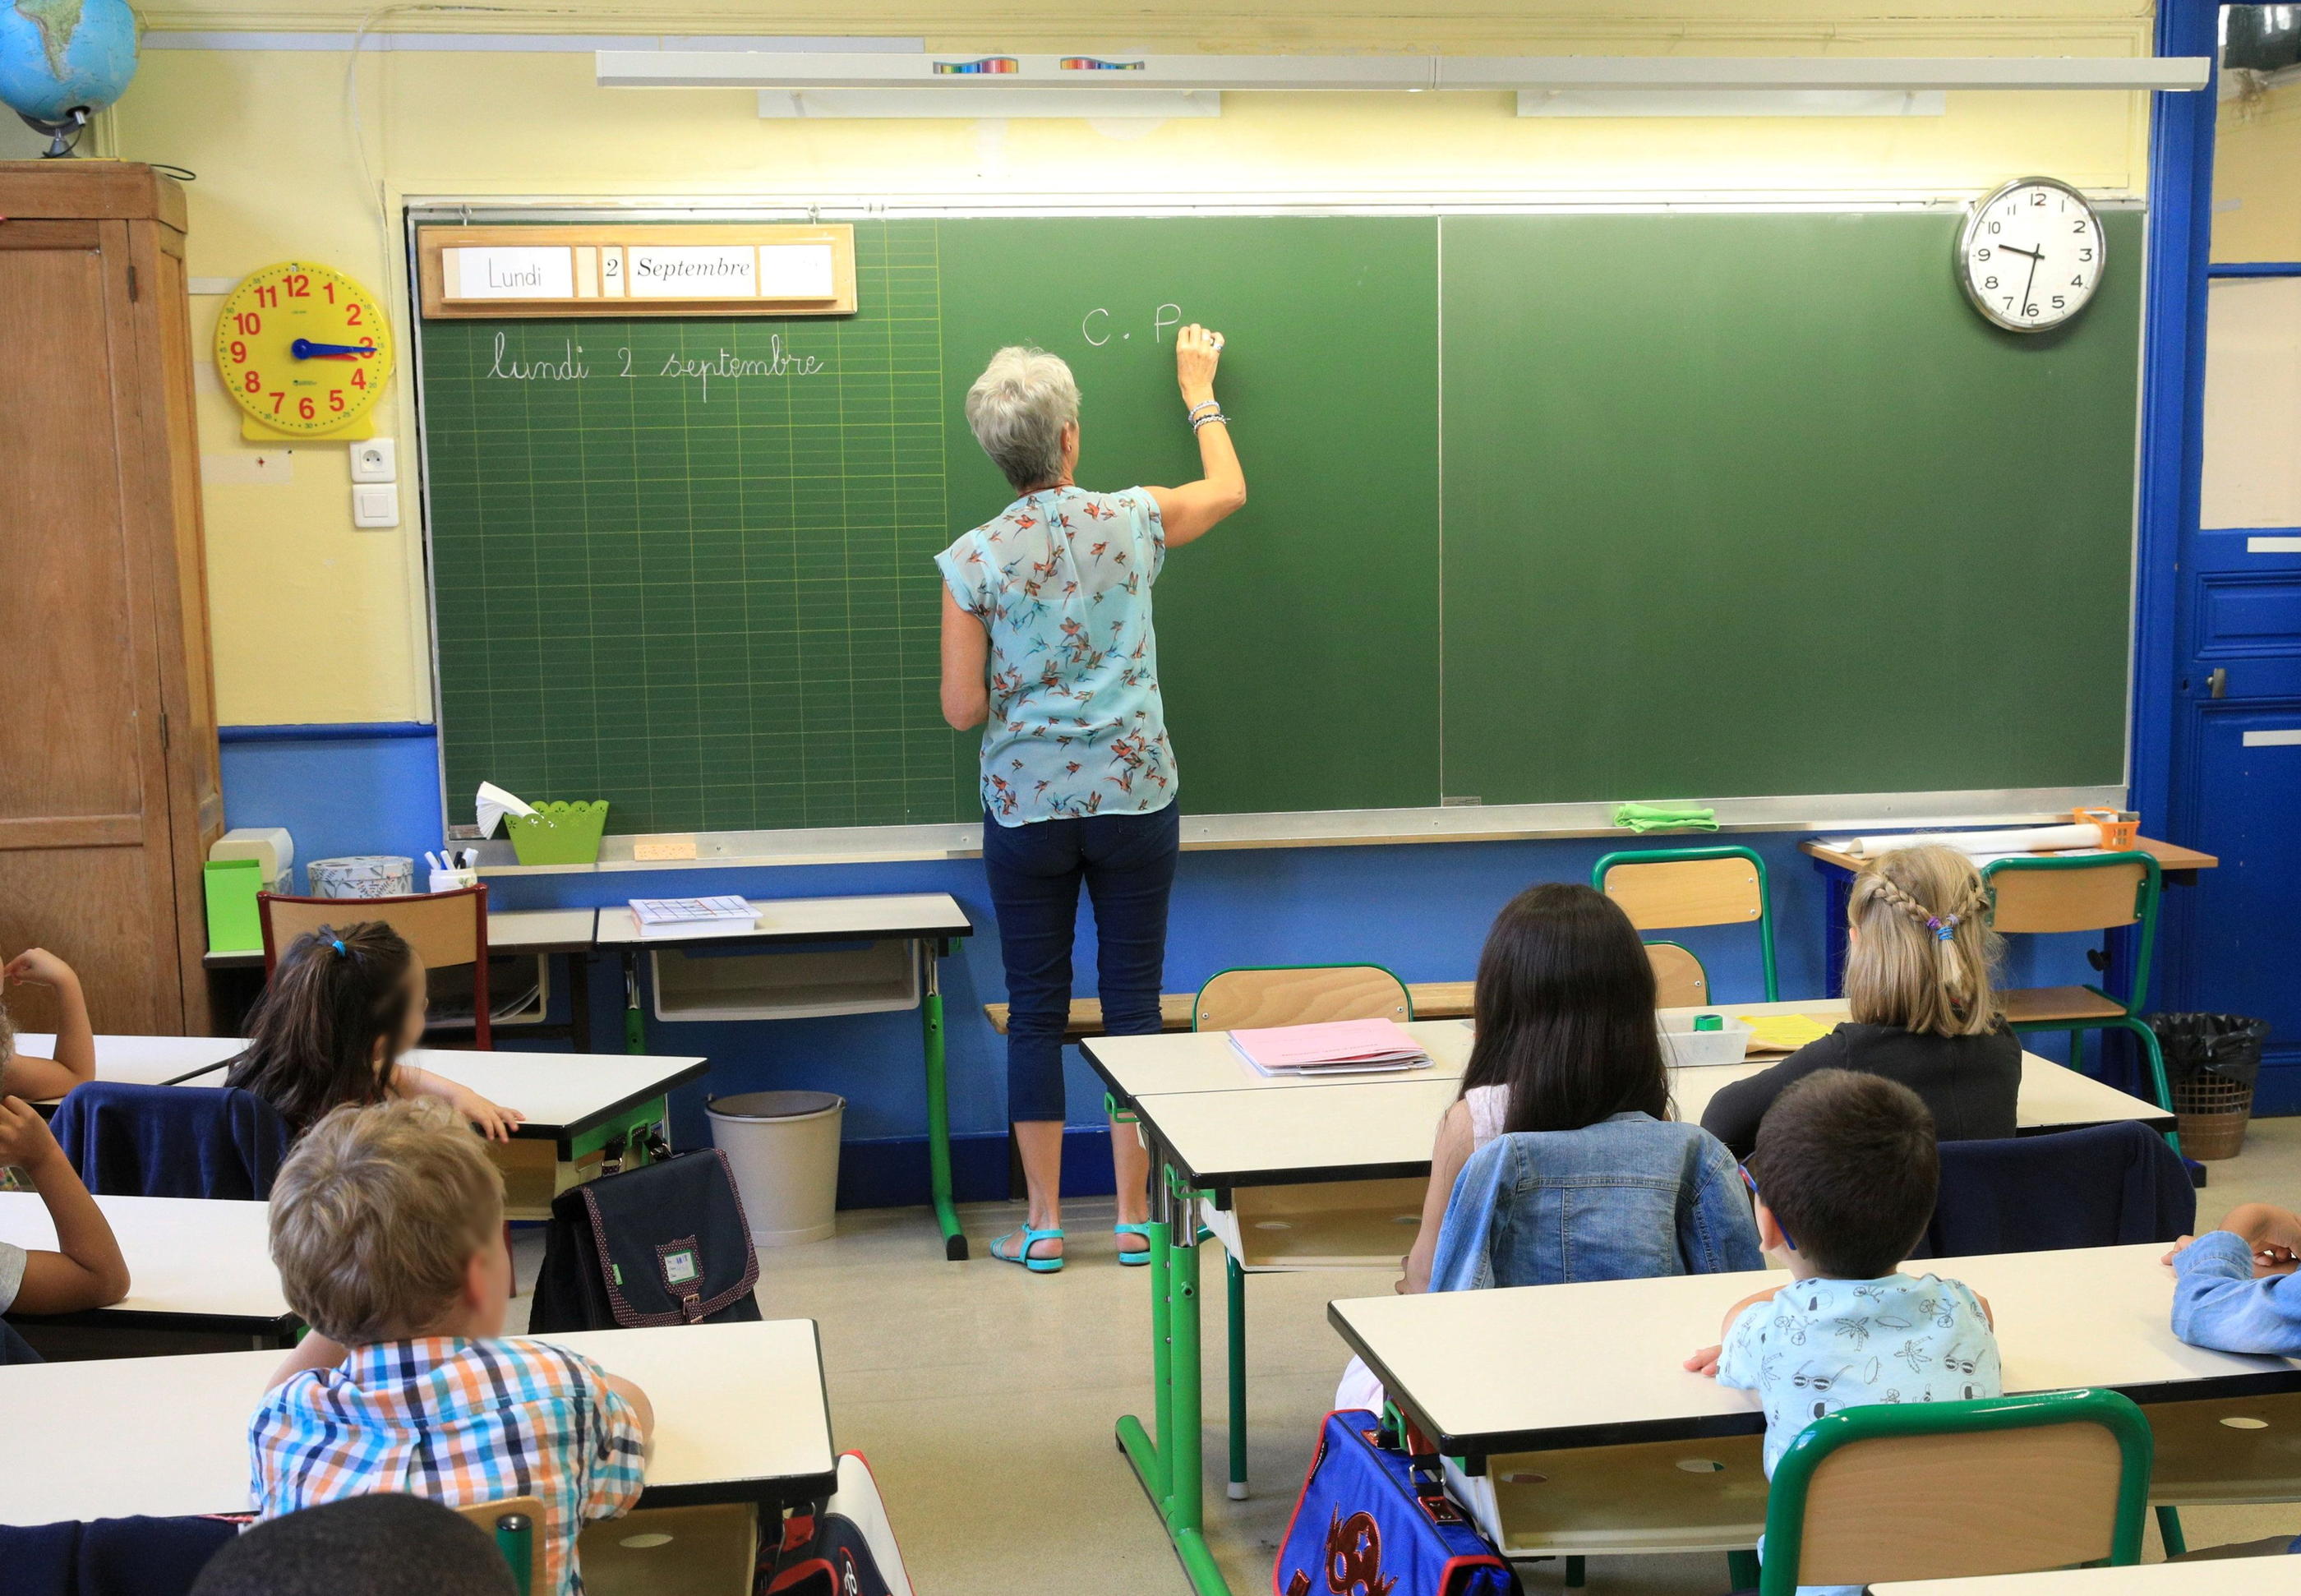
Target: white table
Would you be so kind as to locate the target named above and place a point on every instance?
(192, 1265)
(2228, 1576)
(147, 1060)
(930, 921)
(741, 1417)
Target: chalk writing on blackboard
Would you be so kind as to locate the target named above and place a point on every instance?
(1095, 327)
(724, 365)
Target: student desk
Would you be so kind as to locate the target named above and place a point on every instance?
(1263, 1156)
(1571, 1428)
(929, 922)
(2177, 866)
(536, 933)
(583, 1109)
(195, 1268)
(2230, 1576)
(1432, 1000)
(741, 1417)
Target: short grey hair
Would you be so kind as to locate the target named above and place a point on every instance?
(1018, 408)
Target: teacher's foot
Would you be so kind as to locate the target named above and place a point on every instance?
(1041, 1251)
(1134, 1242)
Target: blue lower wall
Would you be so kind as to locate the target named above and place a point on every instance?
(1421, 910)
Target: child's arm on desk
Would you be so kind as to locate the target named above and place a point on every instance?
(85, 1270)
(2235, 1288)
(1706, 1361)
(314, 1351)
(641, 1409)
(75, 1049)
(494, 1121)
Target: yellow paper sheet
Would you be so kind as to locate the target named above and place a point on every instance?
(1783, 1033)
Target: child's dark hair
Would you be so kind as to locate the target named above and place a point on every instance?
(1848, 1163)
(311, 1037)
(1565, 1008)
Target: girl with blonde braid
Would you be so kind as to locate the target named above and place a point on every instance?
(1918, 957)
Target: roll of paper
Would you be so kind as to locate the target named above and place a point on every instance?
(2029, 840)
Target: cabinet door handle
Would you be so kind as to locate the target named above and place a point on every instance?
(2217, 684)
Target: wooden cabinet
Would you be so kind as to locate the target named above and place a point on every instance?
(108, 788)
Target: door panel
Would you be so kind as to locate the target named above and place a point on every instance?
(2253, 404)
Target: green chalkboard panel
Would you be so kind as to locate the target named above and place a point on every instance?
(1544, 507)
(1743, 505)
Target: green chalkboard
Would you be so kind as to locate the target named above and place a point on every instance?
(1544, 507)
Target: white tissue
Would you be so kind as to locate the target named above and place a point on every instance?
(494, 803)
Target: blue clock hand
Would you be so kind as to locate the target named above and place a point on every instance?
(304, 349)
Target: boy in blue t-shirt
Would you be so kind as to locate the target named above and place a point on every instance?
(1844, 1174)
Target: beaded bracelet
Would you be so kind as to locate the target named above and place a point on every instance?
(1202, 404)
(1216, 416)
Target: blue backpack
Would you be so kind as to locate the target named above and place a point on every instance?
(1375, 1521)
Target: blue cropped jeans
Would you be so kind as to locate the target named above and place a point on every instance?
(1127, 865)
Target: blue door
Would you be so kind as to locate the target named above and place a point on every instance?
(2235, 937)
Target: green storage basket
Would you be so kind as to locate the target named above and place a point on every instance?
(559, 833)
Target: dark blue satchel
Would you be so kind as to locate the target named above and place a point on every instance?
(1375, 1521)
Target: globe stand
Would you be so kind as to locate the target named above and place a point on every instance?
(63, 137)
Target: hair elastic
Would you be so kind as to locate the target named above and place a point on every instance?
(1942, 926)
(338, 944)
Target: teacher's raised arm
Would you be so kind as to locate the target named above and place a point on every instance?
(1047, 643)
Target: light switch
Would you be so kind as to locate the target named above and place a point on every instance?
(374, 460)
(375, 504)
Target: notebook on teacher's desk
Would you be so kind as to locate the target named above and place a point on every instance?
(693, 917)
(1335, 1048)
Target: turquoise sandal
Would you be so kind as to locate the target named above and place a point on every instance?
(1022, 1254)
(1133, 1259)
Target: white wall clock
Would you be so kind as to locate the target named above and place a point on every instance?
(2030, 255)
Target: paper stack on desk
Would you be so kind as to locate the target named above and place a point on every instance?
(693, 917)
(1336, 1047)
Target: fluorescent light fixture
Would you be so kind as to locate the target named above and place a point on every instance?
(1732, 101)
(962, 76)
(831, 104)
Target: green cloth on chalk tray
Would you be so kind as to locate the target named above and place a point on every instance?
(1667, 818)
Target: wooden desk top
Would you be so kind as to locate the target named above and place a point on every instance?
(740, 1416)
(509, 931)
(2170, 856)
(1610, 1353)
(888, 916)
(1382, 1127)
(2223, 1576)
(192, 1264)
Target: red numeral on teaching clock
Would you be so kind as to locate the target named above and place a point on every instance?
(299, 287)
(352, 316)
(277, 400)
(304, 409)
(329, 288)
(252, 383)
(336, 400)
(268, 297)
(238, 352)
(248, 322)
(359, 378)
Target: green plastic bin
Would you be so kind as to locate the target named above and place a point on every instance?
(559, 832)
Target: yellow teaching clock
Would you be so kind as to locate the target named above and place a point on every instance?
(304, 352)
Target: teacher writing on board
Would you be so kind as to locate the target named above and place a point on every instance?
(1046, 633)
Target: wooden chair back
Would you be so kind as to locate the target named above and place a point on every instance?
(1679, 980)
(1959, 1490)
(445, 929)
(1299, 995)
(515, 1525)
(1679, 893)
(2100, 898)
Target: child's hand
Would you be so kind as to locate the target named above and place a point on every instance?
(495, 1122)
(1705, 1362)
(2180, 1247)
(36, 966)
(2271, 1233)
(25, 1139)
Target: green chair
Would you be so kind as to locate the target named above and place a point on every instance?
(1958, 1491)
(512, 1523)
(1661, 889)
(1284, 994)
(2095, 892)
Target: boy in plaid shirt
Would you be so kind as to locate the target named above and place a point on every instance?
(386, 1225)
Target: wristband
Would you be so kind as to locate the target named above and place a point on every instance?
(1212, 416)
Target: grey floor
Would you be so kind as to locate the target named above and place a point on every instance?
(984, 1398)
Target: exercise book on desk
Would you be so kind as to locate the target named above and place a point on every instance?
(692, 916)
(1335, 1048)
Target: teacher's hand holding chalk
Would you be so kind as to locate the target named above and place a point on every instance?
(1195, 508)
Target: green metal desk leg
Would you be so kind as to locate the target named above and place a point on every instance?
(1186, 1498)
(2169, 1530)
(634, 1022)
(1236, 1279)
(1149, 1461)
(954, 1240)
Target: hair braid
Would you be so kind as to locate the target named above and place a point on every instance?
(1955, 978)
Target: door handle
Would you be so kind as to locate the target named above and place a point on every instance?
(2217, 684)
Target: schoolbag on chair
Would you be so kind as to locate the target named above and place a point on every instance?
(663, 1244)
(1373, 1518)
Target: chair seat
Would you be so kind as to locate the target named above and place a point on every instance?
(1433, 1000)
(2053, 1005)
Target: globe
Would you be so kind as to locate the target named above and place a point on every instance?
(61, 56)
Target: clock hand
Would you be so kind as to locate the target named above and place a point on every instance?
(304, 349)
(2026, 286)
(2035, 254)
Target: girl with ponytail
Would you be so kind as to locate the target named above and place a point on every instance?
(342, 1006)
(1920, 958)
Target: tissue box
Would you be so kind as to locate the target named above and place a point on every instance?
(559, 833)
(270, 846)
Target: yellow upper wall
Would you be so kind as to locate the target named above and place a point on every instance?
(317, 622)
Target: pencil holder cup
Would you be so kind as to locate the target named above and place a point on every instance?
(559, 833)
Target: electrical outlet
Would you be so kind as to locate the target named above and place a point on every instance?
(374, 460)
(375, 504)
